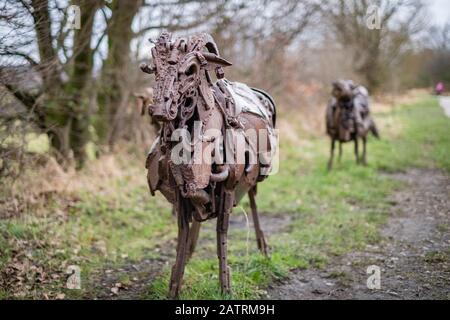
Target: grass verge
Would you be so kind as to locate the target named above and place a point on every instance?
(115, 222)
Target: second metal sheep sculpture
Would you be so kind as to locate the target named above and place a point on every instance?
(348, 119)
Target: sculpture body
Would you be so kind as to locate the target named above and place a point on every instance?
(348, 118)
(198, 113)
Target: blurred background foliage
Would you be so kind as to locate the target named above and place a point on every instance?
(74, 88)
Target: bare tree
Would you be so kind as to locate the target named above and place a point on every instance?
(437, 66)
(60, 107)
(258, 34)
(374, 49)
(439, 37)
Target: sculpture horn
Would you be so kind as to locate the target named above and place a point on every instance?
(211, 57)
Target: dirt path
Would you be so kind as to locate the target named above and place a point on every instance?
(414, 256)
(131, 280)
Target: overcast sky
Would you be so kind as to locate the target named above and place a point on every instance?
(440, 9)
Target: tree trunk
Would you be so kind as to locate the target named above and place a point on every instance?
(48, 64)
(64, 107)
(114, 93)
(78, 86)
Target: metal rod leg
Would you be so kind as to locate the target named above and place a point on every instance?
(364, 156)
(193, 237)
(260, 239)
(330, 162)
(222, 234)
(176, 277)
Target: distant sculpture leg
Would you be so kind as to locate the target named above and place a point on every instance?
(176, 277)
(330, 162)
(356, 150)
(260, 239)
(340, 152)
(222, 233)
(193, 237)
(364, 156)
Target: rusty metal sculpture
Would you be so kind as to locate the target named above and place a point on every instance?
(348, 118)
(185, 94)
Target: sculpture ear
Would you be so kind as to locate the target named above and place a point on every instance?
(335, 84)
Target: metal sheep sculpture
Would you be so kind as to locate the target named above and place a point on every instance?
(348, 118)
(197, 112)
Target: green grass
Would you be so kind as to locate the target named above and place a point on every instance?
(331, 213)
(95, 230)
(424, 140)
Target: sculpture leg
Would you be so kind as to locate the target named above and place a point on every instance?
(330, 162)
(364, 156)
(176, 277)
(340, 152)
(193, 237)
(222, 233)
(356, 150)
(260, 239)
